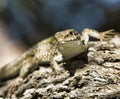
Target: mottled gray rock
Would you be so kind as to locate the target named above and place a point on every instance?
(95, 75)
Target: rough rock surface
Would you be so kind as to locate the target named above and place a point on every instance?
(93, 75)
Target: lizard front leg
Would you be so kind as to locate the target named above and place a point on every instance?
(56, 63)
(93, 33)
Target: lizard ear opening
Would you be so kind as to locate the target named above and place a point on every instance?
(83, 42)
(84, 39)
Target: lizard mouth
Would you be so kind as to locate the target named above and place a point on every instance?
(72, 40)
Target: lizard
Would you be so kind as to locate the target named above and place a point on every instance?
(53, 50)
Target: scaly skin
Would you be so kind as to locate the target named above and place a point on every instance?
(62, 46)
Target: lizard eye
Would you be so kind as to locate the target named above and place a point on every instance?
(71, 32)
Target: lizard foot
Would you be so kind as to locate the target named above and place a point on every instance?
(57, 68)
(106, 35)
(13, 85)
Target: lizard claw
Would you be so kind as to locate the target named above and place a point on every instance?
(106, 35)
(13, 85)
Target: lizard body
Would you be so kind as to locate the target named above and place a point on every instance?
(62, 46)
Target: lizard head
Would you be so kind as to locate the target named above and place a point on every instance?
(67, 35)
(69, 43)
